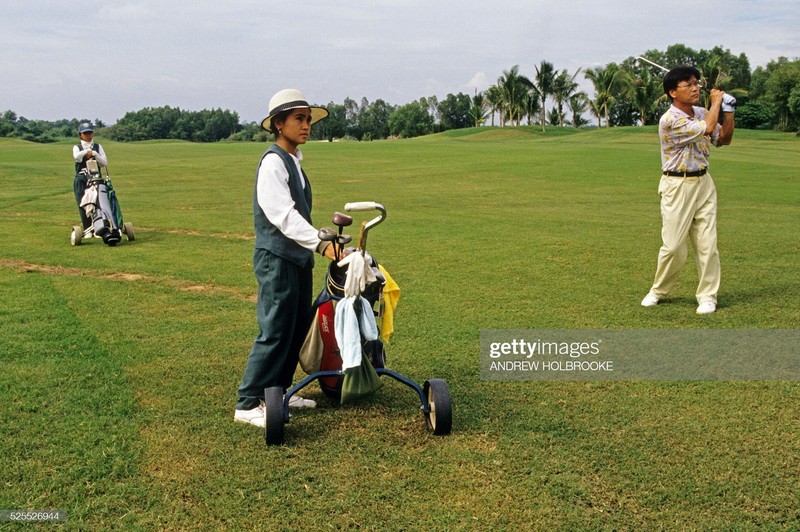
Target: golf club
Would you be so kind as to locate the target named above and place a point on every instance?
(328, 234)
(366, 226)
(341, 221)
(342, 241)
(640, 58)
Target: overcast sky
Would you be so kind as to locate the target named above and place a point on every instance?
(88, 59)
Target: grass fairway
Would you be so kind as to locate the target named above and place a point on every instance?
(120, 365)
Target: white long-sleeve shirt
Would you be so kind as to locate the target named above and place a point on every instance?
(79, 153)
(275, 199)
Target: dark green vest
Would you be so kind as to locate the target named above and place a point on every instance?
(268, 236)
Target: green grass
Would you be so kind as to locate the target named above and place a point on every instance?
(120, 365)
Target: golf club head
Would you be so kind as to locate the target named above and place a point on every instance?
(344, 239)
(342, 220)
(327, 234)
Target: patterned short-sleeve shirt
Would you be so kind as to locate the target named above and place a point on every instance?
(684, 144)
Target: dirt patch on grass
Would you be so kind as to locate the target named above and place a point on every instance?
(122, 276)
(196, 288)
(193, 232)
(164, 280)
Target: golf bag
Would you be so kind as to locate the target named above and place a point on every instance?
(99, 203)
(101, 207)
(320, 351)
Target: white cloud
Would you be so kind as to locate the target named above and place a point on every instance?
(479, 81)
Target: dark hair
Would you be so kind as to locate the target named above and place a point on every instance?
(677, 75)
(280, 117)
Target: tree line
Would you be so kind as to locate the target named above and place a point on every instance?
(625, 94)
(631, 92)
(20, 127)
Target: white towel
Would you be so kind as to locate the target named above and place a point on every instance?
(89, 199)
(348, 333)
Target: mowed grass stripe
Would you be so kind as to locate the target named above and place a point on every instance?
(70, 433)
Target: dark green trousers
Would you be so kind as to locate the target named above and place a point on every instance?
(79, 187)
(284, 316)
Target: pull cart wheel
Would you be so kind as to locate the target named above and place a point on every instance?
(127, 228)
(77, 235)
(273, 407)
(440, 419)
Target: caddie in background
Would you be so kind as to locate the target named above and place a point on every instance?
(84, 151)
(688, 195)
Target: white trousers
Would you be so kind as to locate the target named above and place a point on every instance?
(688, 211)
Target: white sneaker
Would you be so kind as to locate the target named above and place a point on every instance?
(650, 300)
(255, 416)
(296, 401)
(706, 307)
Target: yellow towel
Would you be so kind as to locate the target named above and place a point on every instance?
(391, 295)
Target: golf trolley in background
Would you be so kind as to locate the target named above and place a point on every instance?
(100, 204)
(434, 395)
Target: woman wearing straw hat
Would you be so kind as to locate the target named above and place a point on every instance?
(283, 260)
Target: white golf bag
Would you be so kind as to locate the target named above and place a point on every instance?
(100, 204)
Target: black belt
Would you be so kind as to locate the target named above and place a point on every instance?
(696, 173)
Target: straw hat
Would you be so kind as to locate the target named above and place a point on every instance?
(291, 99)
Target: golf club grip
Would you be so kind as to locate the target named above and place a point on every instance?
(361, 206)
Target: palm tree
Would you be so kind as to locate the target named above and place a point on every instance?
(553, 116)
(644, 93)
(578, 104)
(504, 87)
(494, 99)
(513, 87)
(477, 110)
(545, 79)
(607, 81)
(596, 108)
(531, 106)
(564, 86)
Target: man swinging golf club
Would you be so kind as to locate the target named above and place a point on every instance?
(688, 195)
